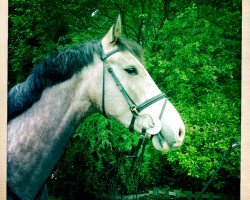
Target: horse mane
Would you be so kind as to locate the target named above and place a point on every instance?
(56, 68)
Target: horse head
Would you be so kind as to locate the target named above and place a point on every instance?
(127, 92)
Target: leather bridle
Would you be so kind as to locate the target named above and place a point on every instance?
(135, 109)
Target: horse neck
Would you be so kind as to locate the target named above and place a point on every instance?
(37, 138)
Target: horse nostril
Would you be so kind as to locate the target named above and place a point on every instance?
(181, 133)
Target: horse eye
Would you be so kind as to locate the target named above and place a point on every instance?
(131, 70)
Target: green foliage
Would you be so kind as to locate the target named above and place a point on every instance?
(198, 61)
(192, 52)
(98, 152)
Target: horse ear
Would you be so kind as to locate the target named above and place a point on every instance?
(117, 28)
(114, 32)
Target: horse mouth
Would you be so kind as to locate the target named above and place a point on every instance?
(161, 144)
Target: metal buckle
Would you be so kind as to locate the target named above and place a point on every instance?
(134, 109)
(145, 121)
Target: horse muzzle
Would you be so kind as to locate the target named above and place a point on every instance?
(168, 139)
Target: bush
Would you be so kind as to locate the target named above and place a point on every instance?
(96, 161)
(198, 62)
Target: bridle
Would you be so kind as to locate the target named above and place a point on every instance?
(135, 109)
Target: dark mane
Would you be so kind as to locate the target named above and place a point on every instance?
(57, 68)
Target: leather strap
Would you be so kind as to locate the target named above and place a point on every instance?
(131, 126)
(105, 64)
(122, 89)
(103, 90)
(105, 56)
(163, 108)
(150, 101)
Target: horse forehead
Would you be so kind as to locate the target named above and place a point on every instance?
(125, 57)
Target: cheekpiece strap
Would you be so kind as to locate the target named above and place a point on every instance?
(104, 59)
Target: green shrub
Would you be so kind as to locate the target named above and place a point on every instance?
(198, 62)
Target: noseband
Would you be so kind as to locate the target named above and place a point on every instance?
(135, 109)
